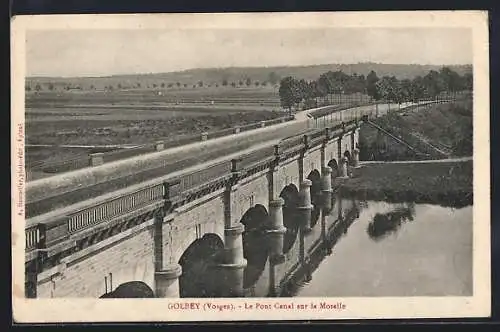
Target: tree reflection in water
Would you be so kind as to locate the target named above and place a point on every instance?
(384, 224)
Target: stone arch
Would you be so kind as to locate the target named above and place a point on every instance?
(315, 178)
(131, 289)
(199, 277)
(335, 168)
(255, 220)
(290, 195)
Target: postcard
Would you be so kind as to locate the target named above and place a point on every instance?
(257, 166)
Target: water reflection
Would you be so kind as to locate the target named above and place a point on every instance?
(432, 254)
(331, 232)
(290, 196)
(254, 244)
(384, 224)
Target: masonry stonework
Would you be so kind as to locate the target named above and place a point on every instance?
(105, 267)
(192, 222)
(250, 192)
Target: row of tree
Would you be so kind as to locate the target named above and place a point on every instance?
(294, 92)
(272, 80)
(119, 86)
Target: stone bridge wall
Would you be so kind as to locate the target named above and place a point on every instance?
(150, 252)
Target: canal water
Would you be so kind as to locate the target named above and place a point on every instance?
(349, 248)
(391, 249)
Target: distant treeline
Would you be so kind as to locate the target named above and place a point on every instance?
(230, 77)
(294, 92)
(58, 85)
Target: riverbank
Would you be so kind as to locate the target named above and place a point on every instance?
(438, 131)
(444, 183)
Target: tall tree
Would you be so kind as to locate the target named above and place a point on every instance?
(417, 89)
(286, 92)
(323, 86)
(452, 81)
(371, 85)
(388, 88)
(433, 83)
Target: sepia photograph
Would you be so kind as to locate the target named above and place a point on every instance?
(190, 167)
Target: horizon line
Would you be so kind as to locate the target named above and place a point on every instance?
(251, 67)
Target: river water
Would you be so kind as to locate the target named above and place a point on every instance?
(352, 248)
(395, 250)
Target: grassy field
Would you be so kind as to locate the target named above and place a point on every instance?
(94, 119)
(447, 127)
(444, 183)
(101, 126)
(266, 97)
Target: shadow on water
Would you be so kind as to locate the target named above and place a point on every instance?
(290, 196)
(384, 224)
(315, 178)
(330, 238)
(254, 237)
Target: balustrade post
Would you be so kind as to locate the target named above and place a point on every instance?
(159, 146)
(96, 159)
(306, 142)
(262, 124)
(204, 136)
(236, 130)
(327, 134)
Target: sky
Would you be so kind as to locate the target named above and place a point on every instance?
(109, 52)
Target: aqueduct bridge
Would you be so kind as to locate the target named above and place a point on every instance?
(87, 236)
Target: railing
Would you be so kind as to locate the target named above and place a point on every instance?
(200, 177)
(117, 206)
(32, 236)
(256, 157)
(291, 143)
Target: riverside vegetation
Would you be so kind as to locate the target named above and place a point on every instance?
(447, 183)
